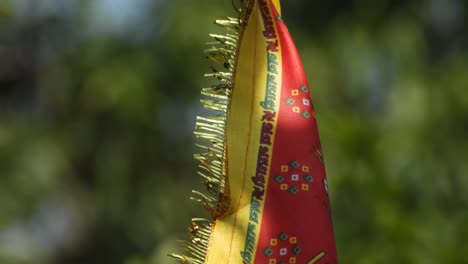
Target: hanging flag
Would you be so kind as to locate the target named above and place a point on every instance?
(262, 160)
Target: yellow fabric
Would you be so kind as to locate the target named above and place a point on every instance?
(242, 134)
(277, 5)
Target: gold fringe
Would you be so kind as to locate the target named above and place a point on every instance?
(211, 130)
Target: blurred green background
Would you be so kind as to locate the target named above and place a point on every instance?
(97, 106)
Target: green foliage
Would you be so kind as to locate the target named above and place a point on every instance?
(96, 144)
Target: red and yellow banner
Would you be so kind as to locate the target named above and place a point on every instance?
(279, 209)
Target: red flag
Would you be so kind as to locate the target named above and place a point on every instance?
(263, 165)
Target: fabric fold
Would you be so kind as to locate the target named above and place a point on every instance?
(272, 204)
